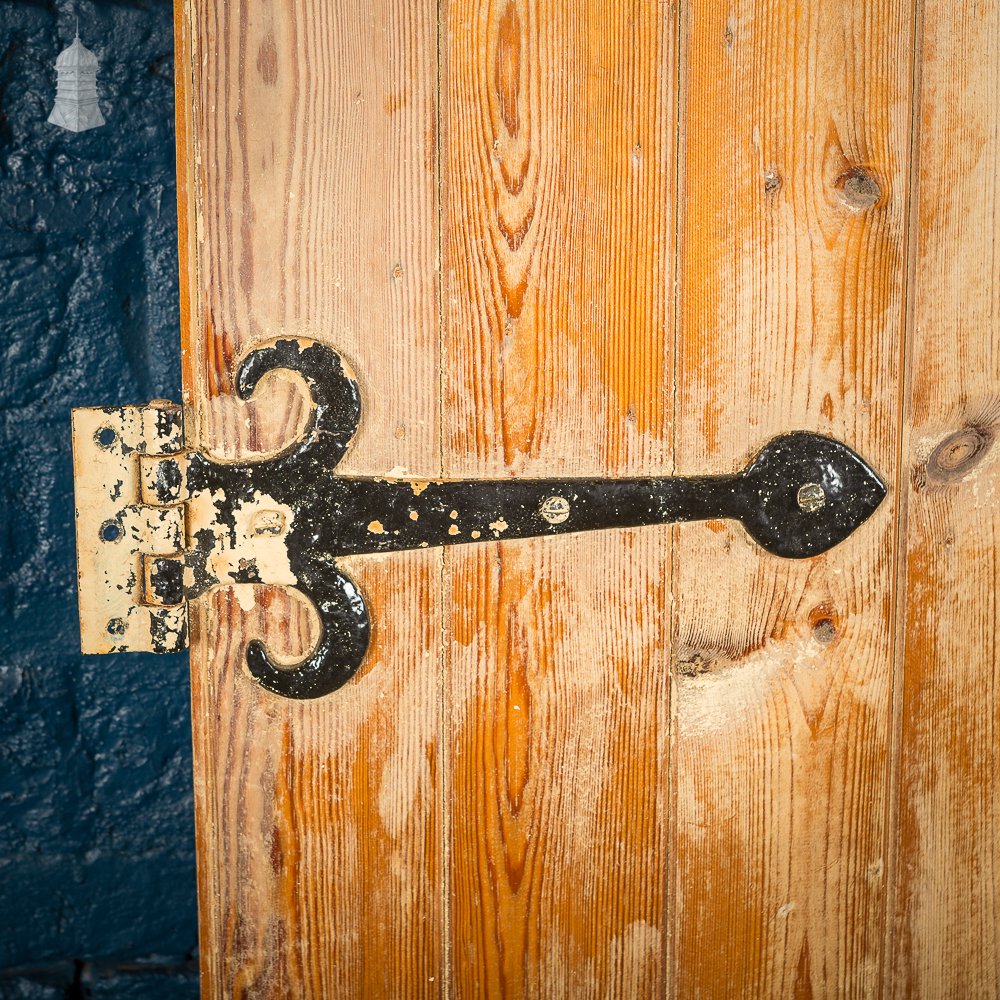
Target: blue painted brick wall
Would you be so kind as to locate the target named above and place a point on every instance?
(97, 884)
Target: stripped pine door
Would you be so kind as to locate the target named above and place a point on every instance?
(556, 238)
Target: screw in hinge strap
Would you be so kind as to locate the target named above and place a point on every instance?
(555, 510)
(811, 497)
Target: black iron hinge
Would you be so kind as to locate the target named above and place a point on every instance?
(158, 526)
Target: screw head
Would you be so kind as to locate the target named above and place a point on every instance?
(112, 531)
(555, 510)
(811, 497)
(267, 522)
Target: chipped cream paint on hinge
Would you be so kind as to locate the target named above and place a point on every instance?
(115, 529)
(254, 550)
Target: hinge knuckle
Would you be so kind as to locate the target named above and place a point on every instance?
(157, 531)
(163, 580)
(162, 424)
(164, 479)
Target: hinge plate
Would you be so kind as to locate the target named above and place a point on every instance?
(117, 532)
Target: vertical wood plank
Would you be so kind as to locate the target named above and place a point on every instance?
(946, 940)
(557, 194)
(796, 122)
(307, 147)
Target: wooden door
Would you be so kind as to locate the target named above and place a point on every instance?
(615, 238)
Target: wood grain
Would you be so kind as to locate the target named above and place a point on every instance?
(557, 187)
(946, 940)
(796, 131)
(319, 824)
(608, 239)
